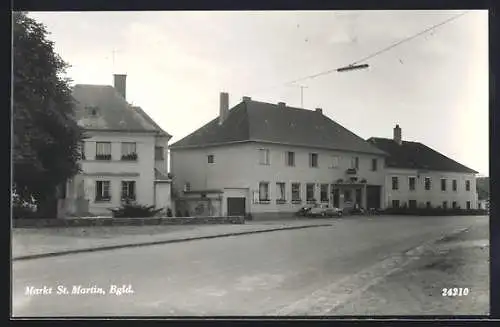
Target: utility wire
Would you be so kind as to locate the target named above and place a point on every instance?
(326, 72)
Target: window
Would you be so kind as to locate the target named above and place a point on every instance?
(467, 186)
(468, 205)
(324, 193)
(395, 183)
(347, 196)
(454, 185)
(290, 158)
(374, 164)
(445, 205)
(427, 183)
(129, 151)
(187, 187)
(264, 156)
(428, 204)
(128, 190)
(412, 204)
(454, 204)
(102, 191)
(103, 151)
(310, 192)
(355, 163)
(280, 193)
(263, 191)
(395, 203)
(82, 150)
(296, 192)
(313, 160)
(159, 155)
(443, 184)
(335, 161)
(210, 159)
(411, 183)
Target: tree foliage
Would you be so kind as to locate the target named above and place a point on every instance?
(46, 136)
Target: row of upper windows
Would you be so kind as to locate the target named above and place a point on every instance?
(128, 151)
(103, 193)
(412, 184)
(264, 159)
(412, 204)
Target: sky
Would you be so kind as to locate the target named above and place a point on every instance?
(434, 86)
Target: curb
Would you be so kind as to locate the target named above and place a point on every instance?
(179, 240)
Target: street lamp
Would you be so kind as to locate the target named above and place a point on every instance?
(352, 67)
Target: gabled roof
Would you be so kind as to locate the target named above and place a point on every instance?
(415, 155)
(101, 107)
(264, 122)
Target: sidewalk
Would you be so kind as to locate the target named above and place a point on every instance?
(30, 243)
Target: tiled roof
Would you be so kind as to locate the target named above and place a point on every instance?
(415, 155)
(264, 122)
(102, 107)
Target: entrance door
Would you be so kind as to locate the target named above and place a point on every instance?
(336, 198)
(373, 196)
(358, 197)
(236, 206)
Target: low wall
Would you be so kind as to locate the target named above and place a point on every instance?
(87, 222)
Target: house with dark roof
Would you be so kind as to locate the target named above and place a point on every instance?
(124, 155)
(269, 160)
(419, 176)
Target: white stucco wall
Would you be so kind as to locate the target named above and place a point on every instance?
(237, 166)
(434, 195)
(163, 196)
(116, 170)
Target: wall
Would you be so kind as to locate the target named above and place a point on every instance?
(163, 195)
(116, 170)
(237, 167)
(435, 195)
(162, 165)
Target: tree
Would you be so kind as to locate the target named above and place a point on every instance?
(46, 136)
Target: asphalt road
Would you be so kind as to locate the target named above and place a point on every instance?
(355, 267)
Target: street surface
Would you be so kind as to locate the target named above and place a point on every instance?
(358, 266)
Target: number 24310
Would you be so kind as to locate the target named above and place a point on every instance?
(457, 291)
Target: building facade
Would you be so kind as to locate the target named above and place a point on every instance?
(124, 154)
(269, 160)
(420, 177)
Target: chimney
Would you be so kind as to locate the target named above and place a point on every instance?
(247, 99)
(223, 107)
(319, 111)
(282, 104)
(397, 135)
(121, 84)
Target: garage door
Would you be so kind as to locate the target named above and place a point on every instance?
(236, 206)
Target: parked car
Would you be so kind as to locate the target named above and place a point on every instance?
(303, 211)
(324, 211)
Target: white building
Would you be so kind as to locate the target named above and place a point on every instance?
(418, 176)
(270, 159)
(125, 153)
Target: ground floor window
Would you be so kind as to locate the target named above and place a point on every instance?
(468, 205)
(102, 191)
(280, 192)
(324, 192)
(128, 190)
(454, 204)
(395, 203)
(263, 191)
(412, 204)
(445, 205)
(310, 192)
(296, 192)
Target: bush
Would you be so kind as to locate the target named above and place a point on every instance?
(19, 212)
(169, 212)
(132, 210)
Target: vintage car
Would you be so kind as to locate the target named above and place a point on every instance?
(323, 210)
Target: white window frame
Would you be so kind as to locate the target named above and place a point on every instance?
(335, 161)
(213, 158)
(468, 181)
(456, 185)
(299, 199)
(415, 185)
(106, 185)
(397, 183)
(321, 192)
(425, 183)
(267, 197)
(264, 157)
(311, 155)
(287, 158)
(280, 191)
(102, 147)
(441, 185)
(313, 191)
(127, 183)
